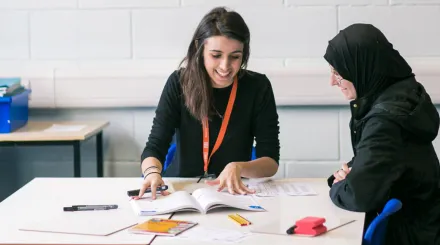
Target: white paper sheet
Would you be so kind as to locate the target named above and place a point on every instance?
(98, 223)
(271, 189)
(65, 128)
(209, 234)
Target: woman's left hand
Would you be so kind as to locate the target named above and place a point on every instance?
(341, 173)
(230, 178)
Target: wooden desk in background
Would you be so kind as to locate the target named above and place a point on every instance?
(35, 133)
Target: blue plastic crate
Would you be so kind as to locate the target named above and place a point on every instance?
(14, 111)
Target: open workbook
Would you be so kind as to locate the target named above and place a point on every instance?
(202, 200)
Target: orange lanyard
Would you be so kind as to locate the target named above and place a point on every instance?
(223, 127)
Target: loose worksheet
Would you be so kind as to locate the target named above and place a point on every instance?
(210, 234)
(272, 188)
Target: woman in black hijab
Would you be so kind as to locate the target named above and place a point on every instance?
(392, 127)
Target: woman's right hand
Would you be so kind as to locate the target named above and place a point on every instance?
(152, 179)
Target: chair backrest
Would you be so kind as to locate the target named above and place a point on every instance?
(376, 231)
(169, 157)
(171, 151)
(254, 153)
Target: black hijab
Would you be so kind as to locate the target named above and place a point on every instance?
(362, 55)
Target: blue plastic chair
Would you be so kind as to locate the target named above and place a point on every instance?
(169, 157)
(172, 151)
(376, 231)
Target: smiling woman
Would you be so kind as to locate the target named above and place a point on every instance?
(217, 109)
(223, 58)
(221, 41)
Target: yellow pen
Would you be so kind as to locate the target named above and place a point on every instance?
(236, 220)
(243, 219)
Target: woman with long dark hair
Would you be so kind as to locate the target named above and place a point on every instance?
(217, 109)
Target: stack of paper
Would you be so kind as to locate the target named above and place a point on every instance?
(10, 86)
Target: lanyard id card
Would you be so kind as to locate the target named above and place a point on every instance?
(221, 135)
(207, 176)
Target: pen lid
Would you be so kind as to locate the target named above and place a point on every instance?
(69, 209)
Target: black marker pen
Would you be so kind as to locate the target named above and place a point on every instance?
(148, 190)
(90, 207)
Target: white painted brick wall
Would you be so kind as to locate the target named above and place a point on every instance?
(14, 33)
(289, 32)
(309, 134)
(334, 2)
(234, 3)
(414, 30)
(345, 149)
(122, 51)
(288, 45)
(415, 2)
(53, 35)
(164, 33)
(100, 4)
(86, 34)
(38, 4)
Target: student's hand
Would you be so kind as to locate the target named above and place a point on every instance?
(341, 173)
(153, 180)
(230, 178)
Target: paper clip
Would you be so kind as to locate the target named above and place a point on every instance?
(239, 219)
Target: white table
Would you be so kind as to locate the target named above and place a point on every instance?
(43, 196)
(287, 209)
